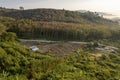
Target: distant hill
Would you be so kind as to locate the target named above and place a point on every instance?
(82, 11)
(3, 9)
(57, 15)
(116, 18)
(102, 14)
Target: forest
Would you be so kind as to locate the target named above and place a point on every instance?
(18, 62)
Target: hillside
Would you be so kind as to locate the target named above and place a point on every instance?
(55, 24)
(57, 15)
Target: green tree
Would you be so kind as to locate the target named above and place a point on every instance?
(2, 28)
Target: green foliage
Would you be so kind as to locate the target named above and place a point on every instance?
(19, 63)
(8, 37)
(2, 28)
(83, 66)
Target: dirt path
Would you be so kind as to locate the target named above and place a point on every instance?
(56, 47)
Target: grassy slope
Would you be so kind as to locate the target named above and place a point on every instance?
(18, 62)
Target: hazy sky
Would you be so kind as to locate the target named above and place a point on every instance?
(109, 6)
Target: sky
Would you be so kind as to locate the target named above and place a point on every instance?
(108, 6)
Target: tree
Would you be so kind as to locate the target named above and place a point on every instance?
(8, 36)
(2, 28)
(21, 8)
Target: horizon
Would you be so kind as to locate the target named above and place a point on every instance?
(106, 6)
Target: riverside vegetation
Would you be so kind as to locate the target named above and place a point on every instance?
(17, 62)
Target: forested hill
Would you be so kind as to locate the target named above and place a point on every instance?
(57, 15)
(57, 24)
